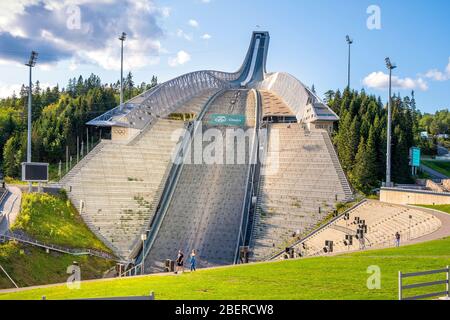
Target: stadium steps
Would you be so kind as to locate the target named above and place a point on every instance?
(121, 183)
(289, 199)
(337, 165)
(383, 220)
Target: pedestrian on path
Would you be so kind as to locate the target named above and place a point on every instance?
(397, 239)
(193, 261)
(179, 262)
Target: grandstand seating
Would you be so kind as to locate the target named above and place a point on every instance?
(298, 195)
(121, 183)
(205, 210)
(383, 220)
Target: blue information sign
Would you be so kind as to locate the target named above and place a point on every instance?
(415, 156)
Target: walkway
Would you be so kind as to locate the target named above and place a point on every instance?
(10, 209)
(433, 173)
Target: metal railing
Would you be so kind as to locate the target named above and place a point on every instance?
(82, 161)
(3, 195)
(334, 155)
(251, 181)
(75, 252)
(402, 287)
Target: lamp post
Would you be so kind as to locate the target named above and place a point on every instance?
(31, 64)
(390, 67)
(143, 238)
(349, 42)
(122, 39)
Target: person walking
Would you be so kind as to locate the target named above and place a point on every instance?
(397, 239)
(193, 261)
(179, 262)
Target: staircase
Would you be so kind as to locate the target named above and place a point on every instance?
(337, 165)
(119, 185)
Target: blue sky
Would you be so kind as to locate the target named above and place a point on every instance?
(169, 38)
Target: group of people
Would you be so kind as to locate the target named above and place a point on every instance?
(179, 262)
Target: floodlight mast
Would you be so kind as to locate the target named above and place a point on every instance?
(390, 67)
(349, 42)
(122, 39)
(31, 64)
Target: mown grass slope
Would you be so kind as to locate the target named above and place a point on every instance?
(30, 266)
(53, 219)
(336, 277)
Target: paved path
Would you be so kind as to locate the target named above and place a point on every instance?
(433, 173)
(10, 208)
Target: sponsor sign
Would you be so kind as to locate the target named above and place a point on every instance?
(237, 120)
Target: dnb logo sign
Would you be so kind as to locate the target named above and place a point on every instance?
(237, 120)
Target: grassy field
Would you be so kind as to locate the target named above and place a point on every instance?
(338, 277)
(53, 219)
(30, 266)
(440, 166)
(441, 207)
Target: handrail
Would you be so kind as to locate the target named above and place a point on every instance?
(171, 182)
(331, 148)
(10, 279)
(75, 252)
(319, 229)
(100, 144)
(4, 195)
(250, 183)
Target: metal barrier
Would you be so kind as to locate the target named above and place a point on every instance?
(75, 252)
(3, 195)
(251, 181)
(402, 287)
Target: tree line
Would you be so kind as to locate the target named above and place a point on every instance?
(360, 136)
(59, 117)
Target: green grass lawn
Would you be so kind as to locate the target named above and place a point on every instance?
(53, 219)
(440, 207)
(440, 166)
(29, 266)
(338, 277)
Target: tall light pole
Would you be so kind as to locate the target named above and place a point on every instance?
(143, 238)
(122, 39)
(390, 67)
(31, 63)
(349, 41)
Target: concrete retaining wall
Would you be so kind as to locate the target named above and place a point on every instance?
(405, 196)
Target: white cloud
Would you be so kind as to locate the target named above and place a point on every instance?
(182, 57)
(193, 23)
(206, 1)
(380, 80)
(438, 75)
(42, 25)
(187, 36)
(206, 36)
(6, 90)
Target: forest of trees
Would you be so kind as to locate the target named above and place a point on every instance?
(360, 137)
(59, 117)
